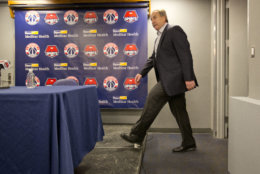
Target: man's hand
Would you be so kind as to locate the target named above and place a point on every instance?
(190, 84)
(138, 79)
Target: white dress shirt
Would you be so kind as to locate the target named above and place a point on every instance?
(159, 34)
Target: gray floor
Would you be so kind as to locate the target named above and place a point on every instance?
(115, 156)
(112, 155)
(209, 158)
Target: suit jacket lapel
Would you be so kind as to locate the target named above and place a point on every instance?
(162, 37)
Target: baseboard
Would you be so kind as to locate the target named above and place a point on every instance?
(167, 130)
(177, 130)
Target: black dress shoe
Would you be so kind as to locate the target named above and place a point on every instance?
(184, 148)
(131, 138)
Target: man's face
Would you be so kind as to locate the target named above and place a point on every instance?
(157, 20)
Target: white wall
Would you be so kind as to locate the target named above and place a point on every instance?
(244, 117)
(254, 41)
(244, 141)
(238, 59)
(7, 37)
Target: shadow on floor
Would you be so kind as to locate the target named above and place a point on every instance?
(112, 155)
(209, 158)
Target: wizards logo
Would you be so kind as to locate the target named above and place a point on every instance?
(71, 17)
(51, 51)
(110, 50)
(130, 16)
(51, 18)
(32, 17)
(130, 84)
(90, 17)
(50, 81)
(91, 81)
(32, 50)
(110, 16)
(110, 83)
(90, 50)
(71, 50)
(130, 50)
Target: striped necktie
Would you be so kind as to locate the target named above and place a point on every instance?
(157, 40)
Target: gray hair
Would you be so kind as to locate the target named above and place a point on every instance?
(162, 13)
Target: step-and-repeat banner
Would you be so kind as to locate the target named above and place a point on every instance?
(102, 47)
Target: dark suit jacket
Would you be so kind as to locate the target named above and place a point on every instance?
(173, 63)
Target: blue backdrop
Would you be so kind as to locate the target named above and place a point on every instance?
(102, 47)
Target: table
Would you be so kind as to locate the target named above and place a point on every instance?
(47, 130)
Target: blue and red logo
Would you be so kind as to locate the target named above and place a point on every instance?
(110, 16)
(71, 17)
(110, 50)
(50, 81)
(71, 50)
(91, 81)
(130, 84)
(51, 51)
(91, 50)
(51, 18)
(110, 83)
(90, 17)
(32, 17)
(32, 50)
(130, 50)
(131, 16)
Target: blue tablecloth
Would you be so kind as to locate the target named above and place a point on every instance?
(47, 130)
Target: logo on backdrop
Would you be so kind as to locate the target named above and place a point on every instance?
(130, 84)
(110, 83)
(50, 81)
(32, 50)
(91, 81)
(110, 50)
(110, 16)
(51, 51)
(71, 50)
(51, 18)
(32, 17)
(91, 50)
(71, 17)
(131, 16)
(130, 50)
(90, 17)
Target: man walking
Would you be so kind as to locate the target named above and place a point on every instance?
(173, 64)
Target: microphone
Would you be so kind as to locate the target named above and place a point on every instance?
(4, 64)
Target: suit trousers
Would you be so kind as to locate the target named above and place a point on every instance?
(156, 99)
